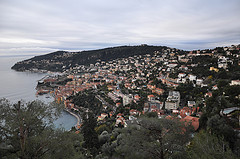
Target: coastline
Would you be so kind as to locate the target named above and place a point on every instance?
(76, 116)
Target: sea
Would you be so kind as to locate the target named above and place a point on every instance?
(16, 86)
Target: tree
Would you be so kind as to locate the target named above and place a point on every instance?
(26, 131)
(220, 127)
(90, 135)
(87, 100)
(207, 146)
(151, 114)
(153, 138)
(222, 83)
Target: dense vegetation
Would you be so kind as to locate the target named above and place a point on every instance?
(221, 126)
(26, 132)
(203, 63)
(87, 100)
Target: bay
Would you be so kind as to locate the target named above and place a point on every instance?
(16, 86)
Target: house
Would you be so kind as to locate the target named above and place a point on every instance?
(192, 77)
(68, 104)
(228, 111)
(214, 69)
(182, 80)
(222, 65)
(169, 82)
(134, 112)
(118, 104)
(102, 116)
(149, 86)
(191, 104)
(172, 65)
(131, 119)
(119, 115)
(175, 111)
(194, 121)
(121, 121)
(199, 82)
(137, 97)
(151, 97)
(181, 75)
(215, 87)
(208, 94)
(235, 82)
(158, 91)
(222, 62)
(232, 114)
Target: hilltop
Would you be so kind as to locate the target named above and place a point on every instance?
(62, 60)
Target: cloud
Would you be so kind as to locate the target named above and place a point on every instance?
(92, 24)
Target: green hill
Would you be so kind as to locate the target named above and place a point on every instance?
(57, 60)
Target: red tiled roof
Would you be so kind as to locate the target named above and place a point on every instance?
(151, 95)
(193, 120)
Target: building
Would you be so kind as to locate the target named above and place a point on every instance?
(214, 69)
(151, 97)
(192, 77)
(222, 62)
(158, 91)
(127, 99)
(191, 103)
(235, 82)
(153, 105)
(173, 100)
(171, 105)
(181, 75)
(199, 82)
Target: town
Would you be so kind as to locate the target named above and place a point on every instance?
(169, 84)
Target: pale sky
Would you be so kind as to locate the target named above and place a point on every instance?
(42, 26)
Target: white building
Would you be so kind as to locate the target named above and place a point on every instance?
(181, 75)
(235, 82)
(199, 82)
(192, 77)
(127, 99)
(173, 100)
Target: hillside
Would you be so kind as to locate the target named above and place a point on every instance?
(56, 61)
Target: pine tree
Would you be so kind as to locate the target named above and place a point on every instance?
(88, 130)
(26, 132)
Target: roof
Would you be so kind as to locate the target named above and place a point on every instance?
(133, 110)
(119, 114)
(151, 95)
(137, 96)
(229, 110)
(193, 120)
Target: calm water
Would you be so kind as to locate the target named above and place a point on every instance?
(21, 85)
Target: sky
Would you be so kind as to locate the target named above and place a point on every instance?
(33, 27)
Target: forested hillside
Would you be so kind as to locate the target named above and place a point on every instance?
(56, 61)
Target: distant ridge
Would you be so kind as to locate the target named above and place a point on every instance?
(62, 60)
(57, 60)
